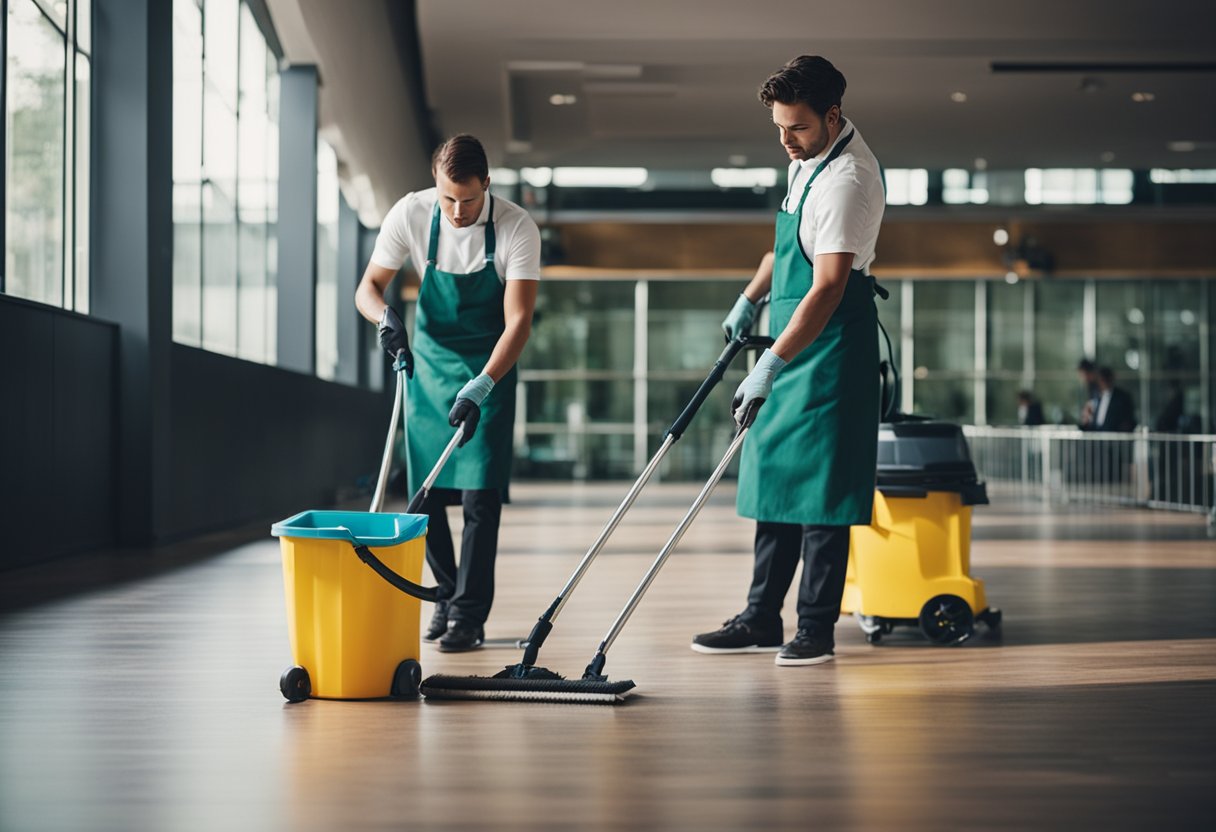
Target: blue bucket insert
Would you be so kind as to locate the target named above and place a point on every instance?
(359, 527)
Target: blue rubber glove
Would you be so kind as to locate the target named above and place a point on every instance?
(739, 319)
(467, 409)
(756, 388)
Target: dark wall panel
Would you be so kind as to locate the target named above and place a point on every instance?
(253, 443)
(57, 457)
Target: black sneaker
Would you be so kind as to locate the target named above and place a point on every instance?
(461, 638)
(806, 648)
(738, 636)
(439, 622)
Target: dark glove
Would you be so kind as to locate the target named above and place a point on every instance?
(394, 339)
(468, 412)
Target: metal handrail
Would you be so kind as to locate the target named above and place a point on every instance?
(1169, 471)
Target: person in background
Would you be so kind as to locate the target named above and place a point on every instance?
(1030, 412)
(1114, 410)
(1087, 372)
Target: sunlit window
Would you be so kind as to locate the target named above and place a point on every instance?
(225, 180)
(1162, 176)
(1078, 186)
(46, 153)
(328, 200)
(907, 186)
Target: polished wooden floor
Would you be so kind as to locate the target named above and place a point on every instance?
(139, 692)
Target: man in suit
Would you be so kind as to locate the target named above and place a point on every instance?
(1030, 411)
(1114, 410)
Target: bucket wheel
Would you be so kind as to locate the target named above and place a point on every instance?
(294, 684)
(406, 680)
(872, 626)
(947, 619)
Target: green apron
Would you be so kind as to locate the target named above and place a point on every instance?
(811, 455)
(459, 321)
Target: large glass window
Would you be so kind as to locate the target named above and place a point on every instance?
(1006, 339)
(943, 341)
(46, 152)
(611, 361)
(327, 306)
(1122, 317)
(577, 410)
(684, 339)
(225, 180)
(1059, 343)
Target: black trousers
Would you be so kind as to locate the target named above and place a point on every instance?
(469, 589)
(824, 551)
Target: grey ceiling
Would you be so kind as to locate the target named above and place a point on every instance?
(663, 83)
(672, 83)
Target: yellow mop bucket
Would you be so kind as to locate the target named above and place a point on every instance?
(912, 565)
(354, 630)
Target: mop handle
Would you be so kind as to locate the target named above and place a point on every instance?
(420, 497)
(672, 542)
(672, 436)
(386, 462)
(738, 345)
(613, 522)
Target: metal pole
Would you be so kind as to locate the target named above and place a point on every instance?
(672, 542)
(621, 510)
(386, 461)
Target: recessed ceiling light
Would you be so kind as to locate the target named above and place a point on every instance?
(981, 163)
(1107, 156)
(1181, 147)
(562, 99)
(958, 97)
(1011, 278)
(1142, 97)
(1000, 237)
(737, 160)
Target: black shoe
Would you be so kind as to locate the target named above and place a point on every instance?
(439, 621)
(739, 636)
(807, 648)
(462, 637)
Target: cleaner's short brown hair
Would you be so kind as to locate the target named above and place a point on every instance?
(461, 158)
(808, 79)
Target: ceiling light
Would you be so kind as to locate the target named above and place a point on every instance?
(981, 163)
(1107, 156)
(1000, 237)
(1142, 97)
(562, 99)
(736, 160)
(744, 177)
(1011, 278)
(1181, 147)
(958, 97)
(537, 177)
(599, 177)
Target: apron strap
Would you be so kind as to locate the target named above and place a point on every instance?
(491, 237)
(432, 249)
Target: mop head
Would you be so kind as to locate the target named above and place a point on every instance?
(526, 684)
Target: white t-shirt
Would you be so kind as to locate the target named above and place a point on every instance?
(844, 208)
(406, 232)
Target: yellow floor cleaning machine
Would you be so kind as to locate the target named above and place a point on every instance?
(912, 565)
